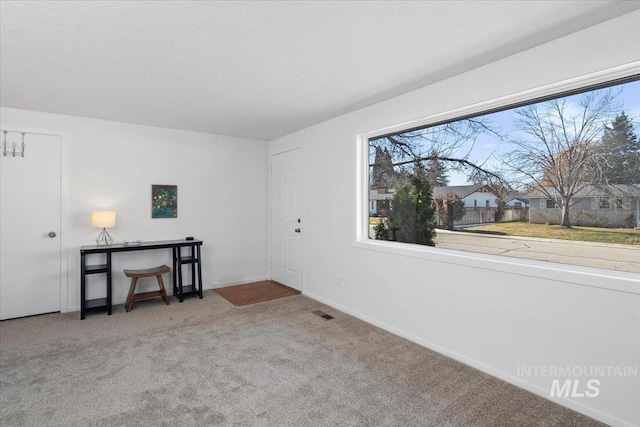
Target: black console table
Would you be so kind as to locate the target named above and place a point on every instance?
(191, 257)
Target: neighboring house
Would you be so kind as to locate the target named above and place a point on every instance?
(613, 206)
(518, 203)
(479, 203)
(379, 201)
(474, 195)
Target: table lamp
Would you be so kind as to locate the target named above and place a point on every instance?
(104, 220)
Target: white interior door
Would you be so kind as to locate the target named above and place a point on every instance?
(30, 249)
(286, 219)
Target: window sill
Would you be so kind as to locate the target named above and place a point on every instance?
(576, 275)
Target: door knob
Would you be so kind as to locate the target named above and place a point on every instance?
(52, 234)
(297, 230)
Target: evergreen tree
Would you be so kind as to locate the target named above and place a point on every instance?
(436, 171)
(383, 173)
(622, 152)
(412, 212)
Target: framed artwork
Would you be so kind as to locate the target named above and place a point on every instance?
(164, 201)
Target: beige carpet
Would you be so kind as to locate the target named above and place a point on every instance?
(206, 362)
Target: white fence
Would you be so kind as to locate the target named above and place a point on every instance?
(488, 215)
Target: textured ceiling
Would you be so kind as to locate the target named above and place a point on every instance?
(257, 69)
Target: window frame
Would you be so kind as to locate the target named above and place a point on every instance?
(580, 275)
(604, 203)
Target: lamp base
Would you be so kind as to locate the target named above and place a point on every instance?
(104, 239)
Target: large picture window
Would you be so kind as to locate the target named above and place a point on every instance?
(554, 179)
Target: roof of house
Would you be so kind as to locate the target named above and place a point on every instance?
(461, 191)
(518, 199)
(375, 195)
(614, 190)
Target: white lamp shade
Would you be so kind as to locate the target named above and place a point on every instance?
(103, 219)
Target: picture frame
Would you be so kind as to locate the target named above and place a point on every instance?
(164, 201)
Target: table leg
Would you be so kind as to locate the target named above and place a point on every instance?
(193, 267)
(174, 272)
(83, 285)
(109, 305)
(180, 297)
(199, 273)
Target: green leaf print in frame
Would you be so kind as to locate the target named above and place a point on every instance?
(164, 201)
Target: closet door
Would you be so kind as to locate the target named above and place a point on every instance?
(30, 250)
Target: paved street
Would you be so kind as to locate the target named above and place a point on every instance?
(599, 255)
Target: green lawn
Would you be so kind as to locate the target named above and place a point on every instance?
(625, 236)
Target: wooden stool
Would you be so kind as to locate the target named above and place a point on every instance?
(149, 272)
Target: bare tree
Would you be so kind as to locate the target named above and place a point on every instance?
(559, 153)
(449, 145)
(496, 185)
(450, 208)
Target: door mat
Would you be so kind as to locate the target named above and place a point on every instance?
(253, 293)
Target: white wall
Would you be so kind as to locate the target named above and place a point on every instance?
(481, 199)
(222, 196)
(488, 312)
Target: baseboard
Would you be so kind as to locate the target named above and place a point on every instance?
(71, 309)
(118, 301)
(516, 381)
